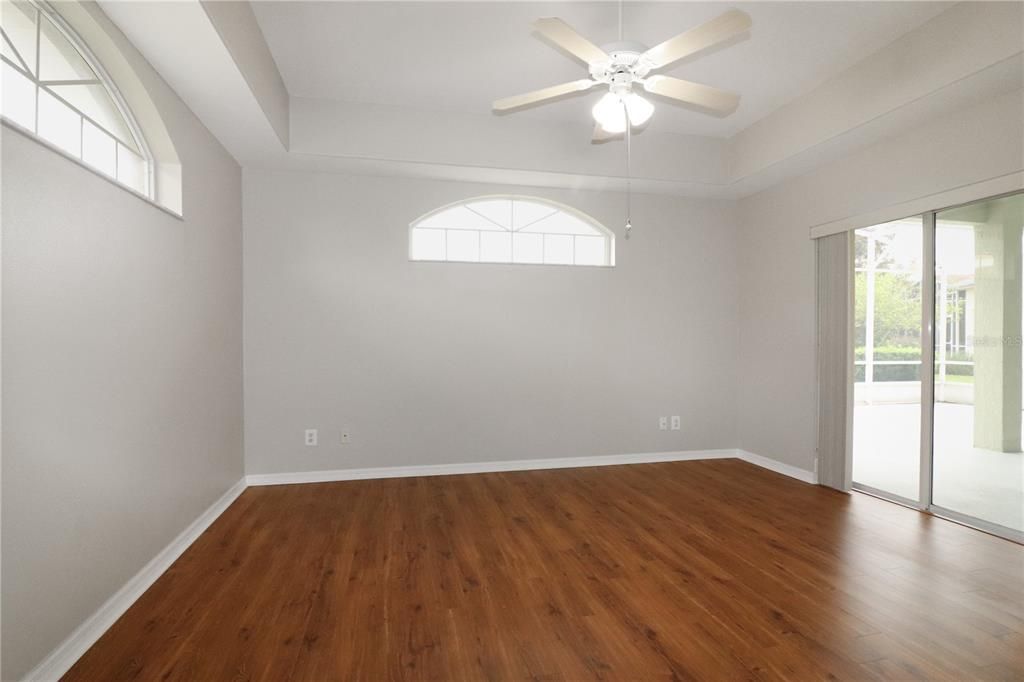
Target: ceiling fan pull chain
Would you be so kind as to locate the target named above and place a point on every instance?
(629, 176)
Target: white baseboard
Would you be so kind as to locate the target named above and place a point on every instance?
(778, 467)
(525, 465)
(71, 649)
(483, 467)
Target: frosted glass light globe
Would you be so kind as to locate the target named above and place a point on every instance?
(639, 109)
(610, 113)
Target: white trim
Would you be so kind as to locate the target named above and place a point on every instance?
(778, 467)
(13, 126)
(60, 660)
(286, 478)
(964, 194)
(483, 467)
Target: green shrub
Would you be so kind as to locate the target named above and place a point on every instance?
(907, 372)
(891, 353)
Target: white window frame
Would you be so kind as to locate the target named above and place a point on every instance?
(607, 234)
(149, 190)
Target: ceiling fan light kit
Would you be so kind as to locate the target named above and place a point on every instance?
(611, 111)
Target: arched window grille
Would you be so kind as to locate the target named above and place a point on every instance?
(511, 229)
(54, 88)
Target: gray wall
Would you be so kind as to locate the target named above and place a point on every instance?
(429, 363)
(122, 374)
(776, 397)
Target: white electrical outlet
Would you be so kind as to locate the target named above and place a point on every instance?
(663, 423)
(346, 438)
(676, 424)
(311, 437)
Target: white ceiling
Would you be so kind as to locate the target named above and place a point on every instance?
(460, 56)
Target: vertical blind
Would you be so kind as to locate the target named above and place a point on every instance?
(834, 300)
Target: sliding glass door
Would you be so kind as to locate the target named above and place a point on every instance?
(938, 363)
(978, 467)
(887, 359)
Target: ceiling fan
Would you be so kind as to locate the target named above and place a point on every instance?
(623, 65)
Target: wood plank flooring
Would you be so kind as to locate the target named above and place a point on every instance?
(708, 570)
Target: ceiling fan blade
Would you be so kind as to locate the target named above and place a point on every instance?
(713, 32)
(537, 96)
(566, 37)
(704, 96)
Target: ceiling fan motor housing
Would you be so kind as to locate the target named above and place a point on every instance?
(623, 67)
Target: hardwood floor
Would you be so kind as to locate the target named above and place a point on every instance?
(706, 570)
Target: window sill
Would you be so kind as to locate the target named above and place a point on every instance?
(11, 125)
(487, 262)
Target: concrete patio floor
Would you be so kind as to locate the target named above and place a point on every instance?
(982, 483)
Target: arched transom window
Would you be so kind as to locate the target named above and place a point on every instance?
(510, 229)
(54, 88)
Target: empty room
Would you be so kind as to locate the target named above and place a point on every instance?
(457, 341)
